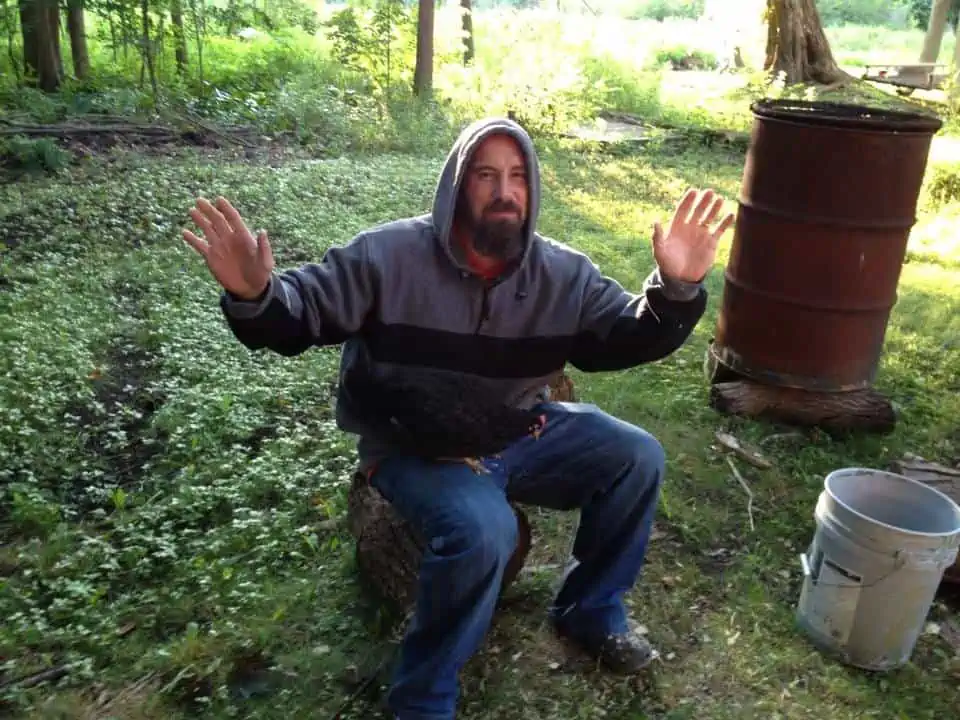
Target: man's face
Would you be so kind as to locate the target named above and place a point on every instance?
(493, 200)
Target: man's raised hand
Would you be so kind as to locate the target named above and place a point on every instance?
(687, 249)
(240, 262)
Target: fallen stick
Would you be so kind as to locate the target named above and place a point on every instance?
(734, 445)
(194, 120)
(28, 681)
(743, 484)
(120, 128)
(781, 436)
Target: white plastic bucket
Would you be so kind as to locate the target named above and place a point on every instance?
(878, 555)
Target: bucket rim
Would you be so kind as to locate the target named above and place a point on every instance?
(841, 472)
(849, 116)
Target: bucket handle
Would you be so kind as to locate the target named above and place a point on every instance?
(899, 561)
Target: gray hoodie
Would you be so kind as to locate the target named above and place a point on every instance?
(402, 293)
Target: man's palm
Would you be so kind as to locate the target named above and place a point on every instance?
(241, 263)
(686, 251)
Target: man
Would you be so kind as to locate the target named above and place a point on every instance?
(472, 287)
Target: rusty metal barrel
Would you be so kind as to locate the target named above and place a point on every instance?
(828, 200)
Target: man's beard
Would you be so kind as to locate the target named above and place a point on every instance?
(499, 238)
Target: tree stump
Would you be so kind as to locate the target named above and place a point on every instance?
(834, 412)
(389, 550)
(733, 393)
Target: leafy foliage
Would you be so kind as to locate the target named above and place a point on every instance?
(380, 46)
(864, 12)
(944, 184)
(662, 9)
(920, 12)
(21, 153)
(683, 58)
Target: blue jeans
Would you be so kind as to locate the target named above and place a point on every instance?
(585, 459)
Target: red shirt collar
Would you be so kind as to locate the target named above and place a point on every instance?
(481, 265)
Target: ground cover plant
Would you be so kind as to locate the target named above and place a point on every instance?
(166, 496)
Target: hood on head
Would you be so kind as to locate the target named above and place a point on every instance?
(451, 177)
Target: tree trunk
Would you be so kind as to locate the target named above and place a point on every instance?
(199, 27)
(423, 72)
(389, 551)
(231, 17)
(935, 29)
(955, 87)
(113, 35)
(78, 39)
(28, 27)
(40, 41)
(467, 24)
(11, 26)
(160, 34)
(147, 49)
(39, 24)
(836, 413)
(797, 45)
(53, 19)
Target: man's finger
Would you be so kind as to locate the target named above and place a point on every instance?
(231, 215)
(203, 222)
(264, 250)
(682, 212)
(705, 203)
(657, 234)
(198, 244)
(216, 218)
(724, 226)
(714, 211)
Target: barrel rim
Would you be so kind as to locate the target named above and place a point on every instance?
(841, 472)
(851, 116)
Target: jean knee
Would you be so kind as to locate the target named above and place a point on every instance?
(646, 454)
(489, 533)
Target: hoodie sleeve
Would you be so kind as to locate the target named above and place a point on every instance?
(317, 304)
(620, 330)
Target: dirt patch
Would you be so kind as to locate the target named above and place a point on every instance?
(690, 62)
(82, 138)
(293, 256)
(121, 390)
(119, 433)
(711, 559)
(259, 436)
(14, 229)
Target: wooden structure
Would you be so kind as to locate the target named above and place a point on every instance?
(863, 410)
(907, 78)
(940, 477)
(389, 550)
